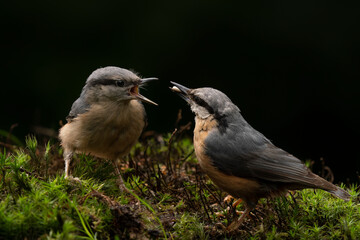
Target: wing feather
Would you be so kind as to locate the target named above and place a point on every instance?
(247, 153)
(79, 106)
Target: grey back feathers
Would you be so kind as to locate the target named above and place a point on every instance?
(79, 106)
(237, 149)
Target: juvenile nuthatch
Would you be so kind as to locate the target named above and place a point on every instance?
(107, 119)
(241, 160)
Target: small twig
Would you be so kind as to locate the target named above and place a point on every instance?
(293, 198)
(213, 194)
(141, 190)
(172, 136)
(325, 169)
(169, 151)
(11, 147)
(185, 127)
(188, 197)
(183, 161)
(107, 200)
(10, 131)
(322, 167)
(160, 181)
(330, 175)
(198, 182)
(179, 117)
(207, 201)
(148, 172)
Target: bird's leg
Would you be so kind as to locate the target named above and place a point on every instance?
(119, 180)
(236, 224)
(67, 158)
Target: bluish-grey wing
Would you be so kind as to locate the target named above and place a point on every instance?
(276, 165)
(79, 106)
(249, 154)
(232, 150)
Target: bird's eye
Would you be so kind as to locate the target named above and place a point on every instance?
(120, 83)
(202, 103)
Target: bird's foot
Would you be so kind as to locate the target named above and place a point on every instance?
(228, 199)
(73, 179)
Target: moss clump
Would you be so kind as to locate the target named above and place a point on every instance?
(172, 199)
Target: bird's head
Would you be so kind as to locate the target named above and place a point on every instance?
(115, 84)
(206, 102)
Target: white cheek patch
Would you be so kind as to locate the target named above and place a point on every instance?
(200, 111)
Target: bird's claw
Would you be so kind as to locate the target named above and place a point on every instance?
(73, 179)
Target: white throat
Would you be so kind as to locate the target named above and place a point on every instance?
(201, 112)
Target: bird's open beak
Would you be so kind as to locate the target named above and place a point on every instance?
(145, 80)
(181, 90)
(134, 91)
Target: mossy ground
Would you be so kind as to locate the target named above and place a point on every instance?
(172, 199)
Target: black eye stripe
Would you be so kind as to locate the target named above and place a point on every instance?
(119, 83)
(223, 124)
(202, 103)
(105, 82)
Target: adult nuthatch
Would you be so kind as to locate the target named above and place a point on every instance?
(107, 119)
(241, 160)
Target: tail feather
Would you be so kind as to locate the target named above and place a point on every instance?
(340, 193)
(321, 183)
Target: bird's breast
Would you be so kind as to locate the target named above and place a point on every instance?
(236, 186)
(201, 131)
(107, 131)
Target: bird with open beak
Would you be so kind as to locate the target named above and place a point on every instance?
(108, 117)
(241, 160)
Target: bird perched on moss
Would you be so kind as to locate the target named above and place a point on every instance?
(241, 160)
(108, 117)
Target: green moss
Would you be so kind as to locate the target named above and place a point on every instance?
(172, 199)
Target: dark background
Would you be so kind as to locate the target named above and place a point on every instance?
(292, 67)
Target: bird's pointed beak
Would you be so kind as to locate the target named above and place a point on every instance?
(181, 90)
(145, 80)
(135, 91)
(145, 99)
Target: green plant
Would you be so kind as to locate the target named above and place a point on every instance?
(170, 197)
(189, 227)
